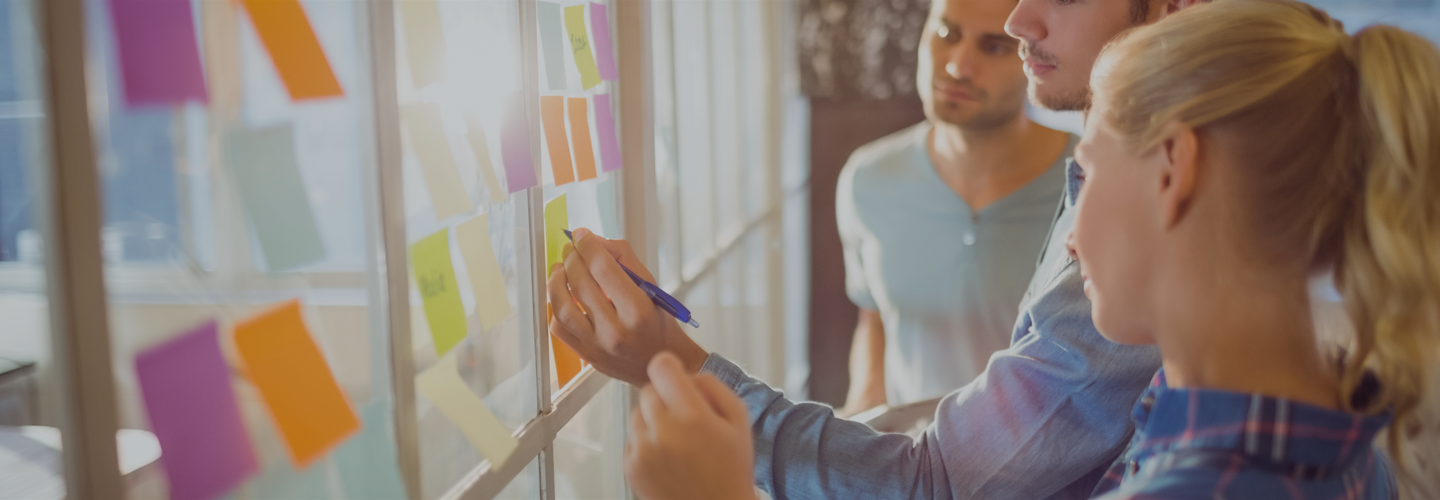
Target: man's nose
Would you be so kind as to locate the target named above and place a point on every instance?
(1025, 22)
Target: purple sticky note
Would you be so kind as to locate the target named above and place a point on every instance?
(600, 42)
(515, 146)
(605, 126)
(203, 443)
(159, 56)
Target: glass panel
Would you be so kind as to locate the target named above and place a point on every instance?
(525, 486)
(30, 461)
(755, 81)
(666, 176)
(693, 120)
(589, 451)
(452, 108)
(240, 229)
(725, 116)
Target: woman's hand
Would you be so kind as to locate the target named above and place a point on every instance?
(690, 439)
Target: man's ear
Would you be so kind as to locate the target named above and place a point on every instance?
(1181, 153)
(1173, 6)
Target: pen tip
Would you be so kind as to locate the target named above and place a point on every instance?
(693, 323)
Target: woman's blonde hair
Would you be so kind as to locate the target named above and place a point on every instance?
(1340, 137)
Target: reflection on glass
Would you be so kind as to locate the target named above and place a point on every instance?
(589, 451)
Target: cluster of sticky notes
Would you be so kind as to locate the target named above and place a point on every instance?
(564, 29)
(185, 384)
(160, 61)
(434, 271)
(558, 111)
(424, 131)
(557, 220)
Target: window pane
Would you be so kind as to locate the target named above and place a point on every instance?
(693, 118)
(589, 451)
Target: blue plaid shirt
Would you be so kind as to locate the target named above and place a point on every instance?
(1206, 444)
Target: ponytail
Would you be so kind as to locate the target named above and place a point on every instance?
(1389, 271)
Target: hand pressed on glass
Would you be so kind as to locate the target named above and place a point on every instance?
(606, 318)
(690, 439)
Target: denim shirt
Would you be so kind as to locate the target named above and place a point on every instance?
(1044, 420)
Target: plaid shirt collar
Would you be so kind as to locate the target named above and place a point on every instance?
(1285, 437)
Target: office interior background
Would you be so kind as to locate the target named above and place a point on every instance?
(414, 141)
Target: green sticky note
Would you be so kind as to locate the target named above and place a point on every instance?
(557, 220)
(262, 162)
(368, 463)
(605, 201)
(580, 45)
(430, 261)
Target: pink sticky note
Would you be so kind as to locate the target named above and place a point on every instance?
(159, 56)
(515, 146)
(605, 127)
(600, 42)
(186, 386)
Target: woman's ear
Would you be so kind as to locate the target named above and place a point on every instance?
(1181, 154)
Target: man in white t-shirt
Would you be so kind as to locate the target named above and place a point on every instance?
(942, 223)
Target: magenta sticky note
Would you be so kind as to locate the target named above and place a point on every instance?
(605, 127)
(515, 146)
(159, 55)
(600, 42)
(204, 447)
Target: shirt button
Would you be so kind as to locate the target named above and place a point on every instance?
(969, 238)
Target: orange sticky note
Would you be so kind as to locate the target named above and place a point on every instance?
(284, 363)
(298, 57)
(567, 363)
(580, 134)
(552, 116)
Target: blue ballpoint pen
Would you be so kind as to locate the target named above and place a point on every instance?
(659, 297)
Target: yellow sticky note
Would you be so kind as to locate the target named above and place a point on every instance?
(476, 134)
(435, 275)
(441, 385)
(557, 220)
(491, 302)
(424, 41)
(580, 45)
(284, 363)
(426, 132)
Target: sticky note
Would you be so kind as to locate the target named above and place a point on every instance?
(609, 213)
(435, 275)
(441, 385)
(552, 117)
(424, 41)
(557, 220)
(551, 43)
(476, 135)
(515, 146)
(368, 463)
(491, 301)
(159, 58)
(293, 47)
(579, 111)
(605, 127)
(204, 447)
(220, 23)
(426, 135)
(262, 162)
(600, 41)
(282, 360)
(580, 46)
(281, 482)
(567, 363)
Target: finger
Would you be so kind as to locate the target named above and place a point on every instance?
(651, 406)
(639, 430)
(583, 286)
(575, 323)
(628, 298)
(676, 386)
(622, 251)
(723, 400)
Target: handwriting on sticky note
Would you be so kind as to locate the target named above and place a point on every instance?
(486, 281)
(289, 38)
(580, 45)
(159, 60)
(552, 117)
(424, 41)
(551, 41)
(515, 146)
(578, 109)
(604, 53)
(186, 386)
(284, 363)
(605, 126)
(441, 384)
(274, 197)
(426, 135)
(557, 220)
(476, 135)
(435, 275)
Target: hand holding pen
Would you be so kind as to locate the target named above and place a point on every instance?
(657, 295)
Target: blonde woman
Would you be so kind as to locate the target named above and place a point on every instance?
(1232, 152)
